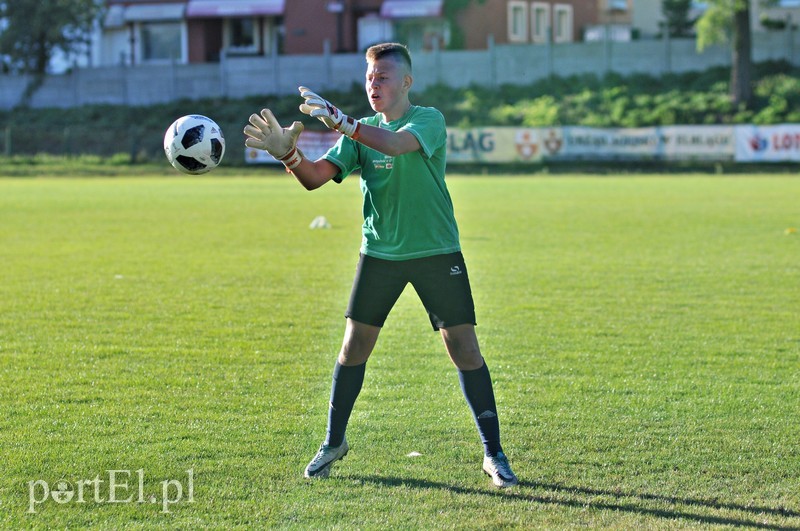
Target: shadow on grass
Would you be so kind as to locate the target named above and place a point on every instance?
(579, 497)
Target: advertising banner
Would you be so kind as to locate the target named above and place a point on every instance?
(498, 145)
(493, 145)
(594, 143)
(768, 143)
(698, 142)
(511, 144)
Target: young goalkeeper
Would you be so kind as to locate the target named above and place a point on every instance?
(409, 235)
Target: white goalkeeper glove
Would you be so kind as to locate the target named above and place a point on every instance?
(327, 113)
(264, 132)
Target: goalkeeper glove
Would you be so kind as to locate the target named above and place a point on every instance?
(328, 114)
(266, 133)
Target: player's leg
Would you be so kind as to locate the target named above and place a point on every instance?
(376, 288)
(443, 286)
(359, 341)
(348, 377)
(461, 343)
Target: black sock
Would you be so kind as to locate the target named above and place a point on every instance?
(347, 381)
(477, 388)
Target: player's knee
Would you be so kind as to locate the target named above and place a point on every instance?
(359, 340)
(349, 357)
(467, 359)
(355, 350)
(464, 350)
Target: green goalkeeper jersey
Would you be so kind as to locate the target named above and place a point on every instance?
(407, 209)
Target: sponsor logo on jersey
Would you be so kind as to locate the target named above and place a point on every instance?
(383, 164)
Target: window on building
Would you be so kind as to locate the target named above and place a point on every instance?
(242, 35)
(161, 41)
(562, 23)
(372, 29)
(518, 21)
(540, 22)
(423, 33)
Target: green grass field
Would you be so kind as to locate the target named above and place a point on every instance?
(643, 334)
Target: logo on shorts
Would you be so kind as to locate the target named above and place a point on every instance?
(455, 270)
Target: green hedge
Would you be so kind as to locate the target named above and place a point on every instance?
(610, 101)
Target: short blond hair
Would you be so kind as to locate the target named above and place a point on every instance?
(395, 50)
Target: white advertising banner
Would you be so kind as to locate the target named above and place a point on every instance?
(679, 142)
(481, 144)
(497, 145)
(595, 143)
(512, 144)
(768, 143)
(698, 142)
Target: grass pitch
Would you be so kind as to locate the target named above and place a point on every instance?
(643, 334)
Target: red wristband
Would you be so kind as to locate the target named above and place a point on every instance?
(292, 159)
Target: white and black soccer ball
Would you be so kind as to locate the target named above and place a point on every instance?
(194, 144)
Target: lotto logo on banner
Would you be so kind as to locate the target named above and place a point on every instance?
(768, 143)
(313, 144)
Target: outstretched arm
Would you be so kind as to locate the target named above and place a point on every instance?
(313, 174)
(264, 132)
(388, 142)
(392, 143)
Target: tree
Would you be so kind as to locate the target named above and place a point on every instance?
(31, 31)
(722, 17)
(676, 14)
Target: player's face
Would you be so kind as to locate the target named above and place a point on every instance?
(387, 87)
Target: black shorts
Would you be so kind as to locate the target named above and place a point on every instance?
(441, 282)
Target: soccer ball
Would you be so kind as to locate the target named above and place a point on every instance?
(194, 144)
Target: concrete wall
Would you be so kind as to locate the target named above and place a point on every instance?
(499, 64)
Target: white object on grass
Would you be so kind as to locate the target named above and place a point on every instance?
(319, 222)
